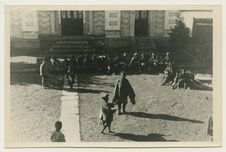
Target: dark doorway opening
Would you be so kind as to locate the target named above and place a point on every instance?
(141, 23)
(71, 23)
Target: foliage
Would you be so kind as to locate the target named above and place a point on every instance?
(179, 37)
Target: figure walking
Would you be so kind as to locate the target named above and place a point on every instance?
(122, 91)
(107, 113)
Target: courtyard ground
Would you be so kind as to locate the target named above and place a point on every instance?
(33, 109)
(160, 113)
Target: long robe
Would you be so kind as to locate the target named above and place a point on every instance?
(123, 89)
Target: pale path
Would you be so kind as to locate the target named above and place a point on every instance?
(70, 112)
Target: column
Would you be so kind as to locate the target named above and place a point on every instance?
(132, 23)
(91, 31)
(52, 22)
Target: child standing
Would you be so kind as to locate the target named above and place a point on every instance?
(58, 136)
(107, 114)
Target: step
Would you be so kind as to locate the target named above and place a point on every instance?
(69, 47)
(73, 38)
(72, 42)
(72, 51)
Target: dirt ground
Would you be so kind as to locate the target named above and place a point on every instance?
(160, 113)
(33, 109)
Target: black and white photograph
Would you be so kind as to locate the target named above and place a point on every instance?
(95, 77)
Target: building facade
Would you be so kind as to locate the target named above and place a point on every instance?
(31, 24)
(116, 30)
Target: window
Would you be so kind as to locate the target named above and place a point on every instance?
(112, 23)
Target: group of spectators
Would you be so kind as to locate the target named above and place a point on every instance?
(137, 63)
(179, 78)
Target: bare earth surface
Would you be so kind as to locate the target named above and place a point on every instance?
(160, 114)
(33, 109)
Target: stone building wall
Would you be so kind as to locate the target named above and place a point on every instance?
(99, 23)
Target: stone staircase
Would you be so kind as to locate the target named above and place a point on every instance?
(71, 45)
(144, 43)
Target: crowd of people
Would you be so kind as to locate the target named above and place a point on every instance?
(136, 63)
(114, 64)
(102, 64)
(179, 78)
(109, 64)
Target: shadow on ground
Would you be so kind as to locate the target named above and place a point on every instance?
(149, 137)
(83, 90)
(32, 78)
(162, 116)
(86, 80)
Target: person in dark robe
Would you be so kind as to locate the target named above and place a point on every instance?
(65, 64)
(107, 113)
(123, 62)
(80, 60)
(71, 72)
(116, 64)
(123, 90)
(87, 63)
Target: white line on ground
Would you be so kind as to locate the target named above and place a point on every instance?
(70, 113)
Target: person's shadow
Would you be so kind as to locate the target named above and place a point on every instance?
(140, 138)
(162, 116)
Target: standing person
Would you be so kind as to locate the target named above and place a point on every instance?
(123, 62)
(135, 63)
(143, 63)
(80, 60)
(57, 135)
(71, 72)
(107, 113)
(210, 127)
(116, 64)
(123, 89)
(44, 72)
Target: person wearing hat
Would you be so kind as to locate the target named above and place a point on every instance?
(107, 113)
(123, 90)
